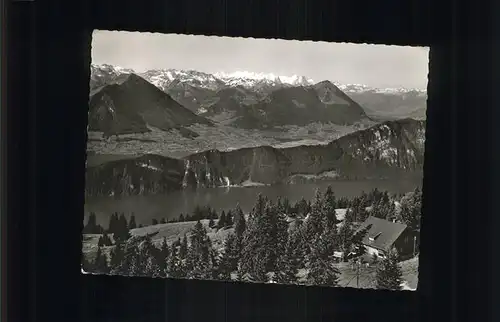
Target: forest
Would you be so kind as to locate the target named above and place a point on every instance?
(272, 243)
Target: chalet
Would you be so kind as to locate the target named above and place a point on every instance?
(382, 235)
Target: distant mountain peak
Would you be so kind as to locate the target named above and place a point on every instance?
(162, 78)
(247, 79)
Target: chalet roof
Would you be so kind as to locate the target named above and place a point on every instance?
(382, 233)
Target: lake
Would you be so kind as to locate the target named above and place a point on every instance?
(171, 205)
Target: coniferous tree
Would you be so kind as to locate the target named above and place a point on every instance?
(211, 223)
(113, 220)
(101, 262)
(258, 208)
(330, 206)
(117, 258)
(259, 272)
(222, 220)
(229, 219)
(199, 265)
(411, 208)
(163, 221)
(279, 234)
(154, 221)
(346, 237)
(181, 218)
(239, 222)
(175, 266)
(229, 258)
(91, 227)
(106, 241)
(252, 236)
(389, 275)
(286, 206)
(302, 207)
(163, 256)
(149, 254)
(100, 242)
(315, 221)
(121, 232)
(183, 249)
(320, 264)
(123, 223)
(279, 205)
(288, 264)
(130, 264)
(132, 224)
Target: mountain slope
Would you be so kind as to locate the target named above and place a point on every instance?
(392, 105)
(389, 149)
(300, 106)
(197, 91)
(130, 104)
(145, 174)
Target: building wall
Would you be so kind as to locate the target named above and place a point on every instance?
(404, 244)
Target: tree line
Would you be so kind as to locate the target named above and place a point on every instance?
(382, 205)
(264, 246)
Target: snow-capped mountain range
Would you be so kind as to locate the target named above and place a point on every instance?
(162, 78)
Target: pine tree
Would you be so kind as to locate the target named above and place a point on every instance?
(320, 265)
(100, 242)
(175, 266)
(222, 220)
(346, 237)
(286, 206)
(259, 272)
(101, 262)
(163, 221)
(121, 232)
(279, 236)
(239, 222)
(315, 221)
(211, 223)
(302, 207)
(229, 258)
(183, 249)
(117, 257)
(149, 253)
(132, 224)
(91, 227)
(288, 264)
(181, 218)
(411, 209)
(154, 222)
(229, 219)
(279, 205)
(198, 261)
(389, 275)
(259, 206)
(330, 206)
(106, 241)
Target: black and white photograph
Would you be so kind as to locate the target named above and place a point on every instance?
(255, 160)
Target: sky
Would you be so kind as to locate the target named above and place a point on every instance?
(371, 65)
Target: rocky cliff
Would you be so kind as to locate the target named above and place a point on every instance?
(388, 149)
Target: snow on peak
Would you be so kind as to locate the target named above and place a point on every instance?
(359, 88)
(162, 78)
(247, 79)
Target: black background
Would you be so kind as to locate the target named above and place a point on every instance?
(45, 73)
